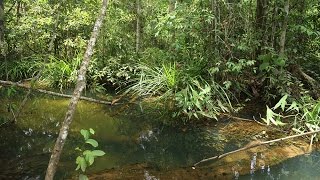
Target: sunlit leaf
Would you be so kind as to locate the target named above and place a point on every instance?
(81, 162)
(98, 153)
(282, 102)
(91, 131)
(93, 142)
(85, 134)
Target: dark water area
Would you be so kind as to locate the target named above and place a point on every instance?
(128, 136)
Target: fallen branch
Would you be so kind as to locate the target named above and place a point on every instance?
(9, 83)
(257, 143)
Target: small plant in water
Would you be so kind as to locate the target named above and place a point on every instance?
(87, 157)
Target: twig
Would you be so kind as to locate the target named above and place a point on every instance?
(259, 143)
(14, 116)
(243, 119)
(57, 94)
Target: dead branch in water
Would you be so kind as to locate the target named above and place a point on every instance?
(9, 83)
(258, 143)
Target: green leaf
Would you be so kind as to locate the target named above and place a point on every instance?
(282, 102)
(264, 66)
(81, 162)
(91, 131)
(98, 153)
(93, 142)
(85, 134)
(280, 62)
(83, 177)
(293, 106)
(89, 157)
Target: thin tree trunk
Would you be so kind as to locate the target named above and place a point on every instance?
(261, 21)
(284, 28)
(1, 26)
(274, 25)
(138, 26)
(80, 85)
(215, 28)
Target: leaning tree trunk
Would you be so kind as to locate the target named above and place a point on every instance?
(284, 28)
(80, 85)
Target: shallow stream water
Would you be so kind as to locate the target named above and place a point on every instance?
(128, 136)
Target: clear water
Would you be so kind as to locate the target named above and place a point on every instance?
(127, 135)
(305, 167)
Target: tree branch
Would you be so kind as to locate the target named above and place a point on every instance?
(258, 143)
(7, 83)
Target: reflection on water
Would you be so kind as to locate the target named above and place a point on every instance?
(130, 137)
(305, 167)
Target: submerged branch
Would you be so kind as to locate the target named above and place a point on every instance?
(10, 83)
(258, 143)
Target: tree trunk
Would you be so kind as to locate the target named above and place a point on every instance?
(138, 26)
(214, 27)
(261, 20)
(1, 24)
(80, 85)
(274, 25)
(284, 28)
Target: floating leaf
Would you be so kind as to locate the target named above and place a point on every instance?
(93, 142)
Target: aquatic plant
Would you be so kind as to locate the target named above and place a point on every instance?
(87, 157)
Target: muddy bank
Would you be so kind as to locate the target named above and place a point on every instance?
(237, 134)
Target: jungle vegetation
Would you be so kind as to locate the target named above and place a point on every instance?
(198, 58)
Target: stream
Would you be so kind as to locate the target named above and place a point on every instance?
(135, 143)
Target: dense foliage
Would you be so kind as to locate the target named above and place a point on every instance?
(199, 57)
